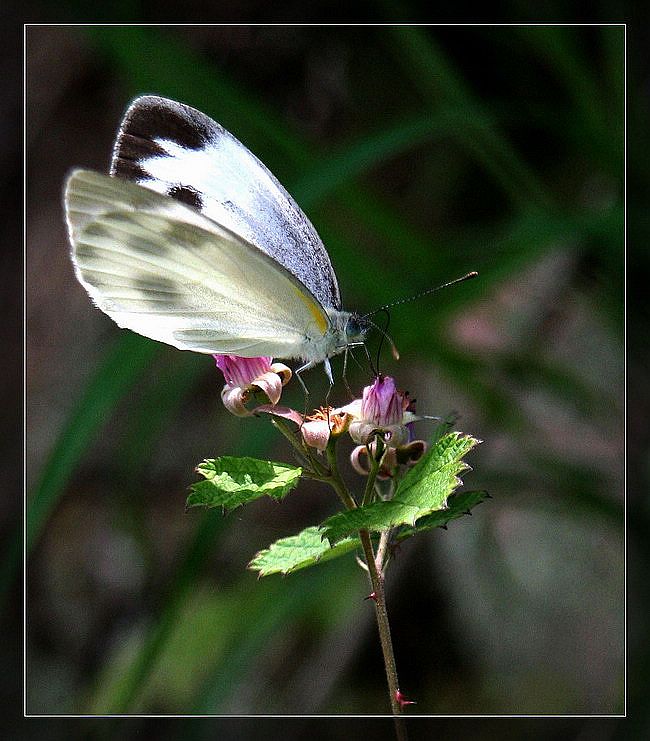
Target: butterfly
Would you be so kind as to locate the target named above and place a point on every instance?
(192, 241)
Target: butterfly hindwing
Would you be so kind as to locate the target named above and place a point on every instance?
(176, 150)
(165, 271)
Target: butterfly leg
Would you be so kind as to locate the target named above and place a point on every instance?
(304, 387)
(345, 371)
(328, 373)
(312, 364)
(349, 347)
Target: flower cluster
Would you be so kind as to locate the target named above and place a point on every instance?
(380, 422)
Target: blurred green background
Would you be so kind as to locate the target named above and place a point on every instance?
(419, 154)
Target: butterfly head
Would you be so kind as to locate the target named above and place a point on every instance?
(345, 329)
(355, 329)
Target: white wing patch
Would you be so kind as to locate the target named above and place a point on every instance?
(167, 272)
(176, 150)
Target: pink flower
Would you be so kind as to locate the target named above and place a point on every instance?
(324, 423)
(248, 378)
(382, 404)
(382, 409)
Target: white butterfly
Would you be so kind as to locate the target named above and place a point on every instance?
(193, 242)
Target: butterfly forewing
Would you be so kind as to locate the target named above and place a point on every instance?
(179, 151)
(167, 272)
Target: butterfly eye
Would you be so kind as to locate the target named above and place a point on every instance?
(355, 329)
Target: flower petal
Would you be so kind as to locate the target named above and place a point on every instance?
(359, 460)
(411, 453)
(271, 384)
(234, 399)
(382, 404)
(362, 432)
(395, 436)
(353, 409)
(283, 371)
(316, 433)
(388, 464)
(276, 411)
(240, 371)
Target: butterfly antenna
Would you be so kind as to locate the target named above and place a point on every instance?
(382, 338)
(407, 299)
(384, 334)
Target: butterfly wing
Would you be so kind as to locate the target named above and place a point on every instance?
(174, 149)
(165, 271)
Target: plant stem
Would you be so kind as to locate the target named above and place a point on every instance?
(369, 492)
(381, 550)
(305, 458)
(336, 481)
(376, 582)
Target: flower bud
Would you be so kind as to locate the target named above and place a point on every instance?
(382, 405)
(382, 410)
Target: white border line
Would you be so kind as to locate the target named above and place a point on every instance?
(25, 370)
(625, 571)
(26, 26)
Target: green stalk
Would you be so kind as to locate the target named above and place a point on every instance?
(336, 481)
(376, 580)
(381, 613)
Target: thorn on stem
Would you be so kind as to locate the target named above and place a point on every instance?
(372, 596)
(402, 700)
(361, 563)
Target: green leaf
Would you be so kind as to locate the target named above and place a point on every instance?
(308, 547)
(424, 489)
(458, 505)
(230, 482)
(300, 551)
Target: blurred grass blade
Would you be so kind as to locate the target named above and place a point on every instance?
(324, 598)
(370, 150)
(432, 72)
(558, 48)
(117, 373)
(195, 557)
(175, 374)
(119, 370)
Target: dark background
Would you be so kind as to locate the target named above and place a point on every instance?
(418, 154)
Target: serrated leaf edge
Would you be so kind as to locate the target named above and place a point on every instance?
(451, 438)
